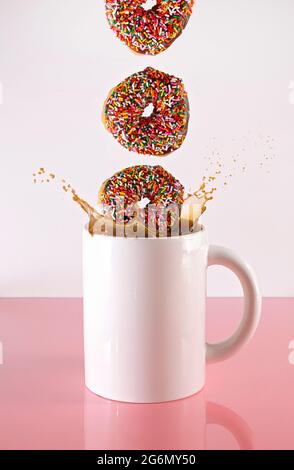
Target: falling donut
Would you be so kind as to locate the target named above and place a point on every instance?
(159, 133)
(120, 195)
(148, 30)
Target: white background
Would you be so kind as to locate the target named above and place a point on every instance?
(58, 61)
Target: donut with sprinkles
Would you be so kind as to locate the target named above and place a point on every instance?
(159, 133)
(120, 195)
(148, 31)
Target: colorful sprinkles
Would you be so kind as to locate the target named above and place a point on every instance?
(121, 193)
(165, 129)
(148, 31)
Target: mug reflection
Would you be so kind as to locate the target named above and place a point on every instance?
(180, 424)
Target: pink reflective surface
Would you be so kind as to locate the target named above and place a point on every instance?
(248, 401)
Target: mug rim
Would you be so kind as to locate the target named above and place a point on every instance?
(199, 232)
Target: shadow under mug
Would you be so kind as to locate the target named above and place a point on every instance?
(144, 314)
(180, 424)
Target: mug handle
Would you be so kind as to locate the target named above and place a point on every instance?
(218, 255)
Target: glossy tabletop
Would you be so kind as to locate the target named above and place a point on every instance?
(248, 400)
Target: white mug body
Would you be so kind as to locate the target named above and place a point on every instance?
(144, 316)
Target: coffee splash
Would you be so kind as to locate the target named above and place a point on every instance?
(221, 167)
(43, 176)
(188, 213)
(231, 156)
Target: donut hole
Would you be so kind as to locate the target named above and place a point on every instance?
(149, 4)
(148, 111)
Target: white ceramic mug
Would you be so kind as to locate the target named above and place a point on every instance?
(144, 315)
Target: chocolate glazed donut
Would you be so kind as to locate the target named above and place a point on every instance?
(165, 129)
(120, 195)
(148, 31)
